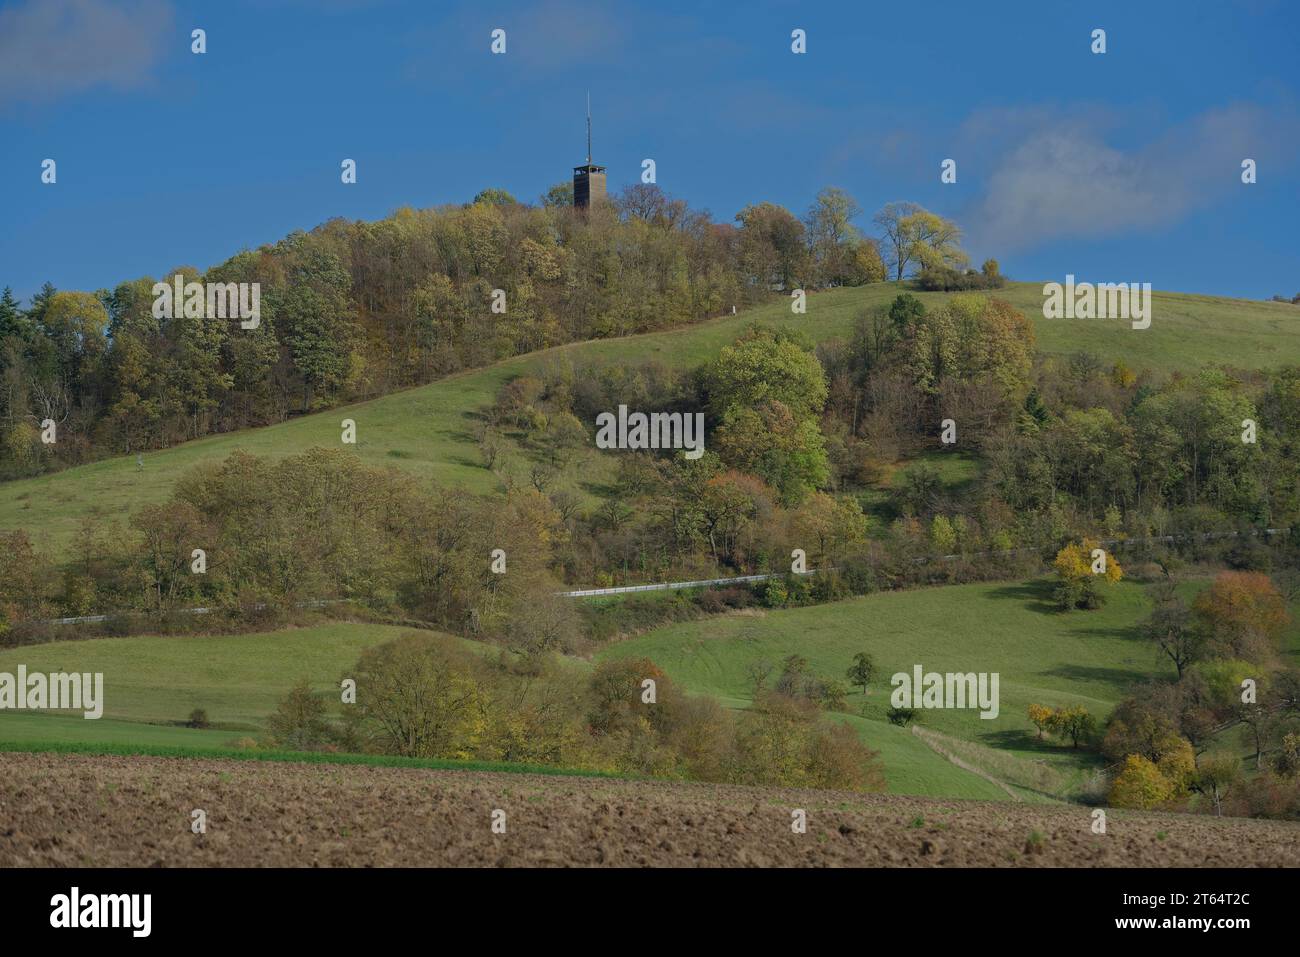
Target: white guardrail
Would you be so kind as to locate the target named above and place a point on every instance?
(665, 586)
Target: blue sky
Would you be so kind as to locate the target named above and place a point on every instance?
(1116, 167)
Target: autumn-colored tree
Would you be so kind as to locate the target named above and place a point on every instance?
(25, 574)
(1040, 715)
(773, 252)
(781, 740)
(784, 450)
(1147, 723)
(837, 758)
(973, 354)
(1074, 723)
(730, 503)
(1286, 761)
(1079, 567)
(1178, 765)
(1139, 785)
(633, 709)
(1243, 614)
(840, 255)
(76, 322)
(829, 523)
(422, 696)
(170, 533)
(619, 695)
(866, 264)
(914, 238)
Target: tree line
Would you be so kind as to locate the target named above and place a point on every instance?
(429, 696)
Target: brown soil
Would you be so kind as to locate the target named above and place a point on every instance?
(82, 810)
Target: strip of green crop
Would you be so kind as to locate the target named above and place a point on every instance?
(303, 757)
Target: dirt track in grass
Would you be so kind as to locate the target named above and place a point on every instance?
(84, 810)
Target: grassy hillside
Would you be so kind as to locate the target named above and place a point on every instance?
(1041, 655)
(152, 683)
(29, 730)
(237, 679)
(430, 430)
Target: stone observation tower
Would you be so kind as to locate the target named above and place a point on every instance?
(588, 180)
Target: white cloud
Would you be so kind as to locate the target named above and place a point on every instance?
(49, 48)
(1059, 176)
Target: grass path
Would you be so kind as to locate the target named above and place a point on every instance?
(932, 743)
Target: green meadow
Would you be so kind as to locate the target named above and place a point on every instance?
(1040, 654)
(236, 679)
(430, 430)
(153, 682)
(32, 731)
(200, 748)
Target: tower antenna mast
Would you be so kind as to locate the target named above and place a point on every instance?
(589, 127)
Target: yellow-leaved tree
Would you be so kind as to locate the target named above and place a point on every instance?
(1139, 785)
(1041, 716)
(1080, 568)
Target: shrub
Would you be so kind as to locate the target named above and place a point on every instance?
(716, 600)
(781, 741)
(901, 716)
(774, 593)
(298, 722)
(838, 759)
(797, 680)
(947, 279)
(857, 575)
(712, 602)
(198, 719)
(1139, 785)
(1287, 760)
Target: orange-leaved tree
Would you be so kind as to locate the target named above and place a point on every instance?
(1243, 615)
